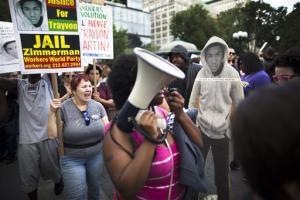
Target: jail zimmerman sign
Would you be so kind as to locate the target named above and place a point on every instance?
(50, 51)
(96, 33)
(49, 40)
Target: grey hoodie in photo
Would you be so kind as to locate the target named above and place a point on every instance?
(24, 24)
(216, 95)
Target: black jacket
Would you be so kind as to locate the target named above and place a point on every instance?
(185, 85)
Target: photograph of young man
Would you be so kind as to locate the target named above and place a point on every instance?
(31, 15)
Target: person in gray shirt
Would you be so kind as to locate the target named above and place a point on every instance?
(83, 128)
(216, 92)
(37, 154)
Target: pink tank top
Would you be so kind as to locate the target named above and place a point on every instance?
(159, 179)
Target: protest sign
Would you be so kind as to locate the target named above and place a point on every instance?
(96, 32)
(48, 37)
(8, 52)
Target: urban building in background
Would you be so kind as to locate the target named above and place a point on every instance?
(150, 19)
(130, 16)
(162, 12)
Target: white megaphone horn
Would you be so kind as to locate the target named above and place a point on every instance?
(153, 73)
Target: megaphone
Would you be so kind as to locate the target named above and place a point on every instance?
(153, 73)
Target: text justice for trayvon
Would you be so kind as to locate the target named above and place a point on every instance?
(62, 2)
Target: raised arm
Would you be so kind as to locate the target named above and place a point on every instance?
(129, 169)
(106, 103)
(52, 126)
(176, 103)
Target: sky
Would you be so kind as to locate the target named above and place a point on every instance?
(276, 3)
(286, 3)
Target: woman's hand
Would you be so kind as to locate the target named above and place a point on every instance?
(55, 104)
(176, 103)
(69, 91)
(148, 122)
(96, 96)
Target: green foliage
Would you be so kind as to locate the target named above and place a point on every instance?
(194, 25)
(134, 40)
(150, 47)
(226, 21)
(120, 41)
(289, 30)
(260, 20)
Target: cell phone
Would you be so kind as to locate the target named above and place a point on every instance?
(170, 90)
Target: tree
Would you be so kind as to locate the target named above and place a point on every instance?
(258, 19)
(134, 40)
(290, 30)
(227, 24)
(150, 47)
(194, 25)
(262, 21)
(120, 41)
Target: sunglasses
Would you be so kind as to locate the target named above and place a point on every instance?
(284, 77)
(86, 117)
(231, 53)
(68, 76)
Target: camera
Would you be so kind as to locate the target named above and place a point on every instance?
(170, 90)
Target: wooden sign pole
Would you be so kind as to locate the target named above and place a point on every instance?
(57, 114)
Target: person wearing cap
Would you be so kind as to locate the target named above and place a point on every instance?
(179, 56)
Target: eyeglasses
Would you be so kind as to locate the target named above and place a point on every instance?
(232, 53)
(284, 77)
(86, 117)
(68, 76)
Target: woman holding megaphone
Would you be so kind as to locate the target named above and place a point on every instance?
(146, 167)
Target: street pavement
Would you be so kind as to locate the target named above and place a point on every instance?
(10, 184)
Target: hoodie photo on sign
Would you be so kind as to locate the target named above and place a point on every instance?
(31, 15)
(8, 52)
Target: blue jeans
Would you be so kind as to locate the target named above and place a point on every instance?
(81, 174)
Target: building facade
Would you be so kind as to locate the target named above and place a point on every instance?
(133, 18)
(162, 12)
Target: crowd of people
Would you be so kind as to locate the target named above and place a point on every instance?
(250, 100)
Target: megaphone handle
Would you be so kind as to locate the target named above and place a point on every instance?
(127, 112)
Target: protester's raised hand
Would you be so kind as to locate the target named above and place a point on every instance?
(175, 101)
(69, 91)
(96, 96)
(55, 104)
